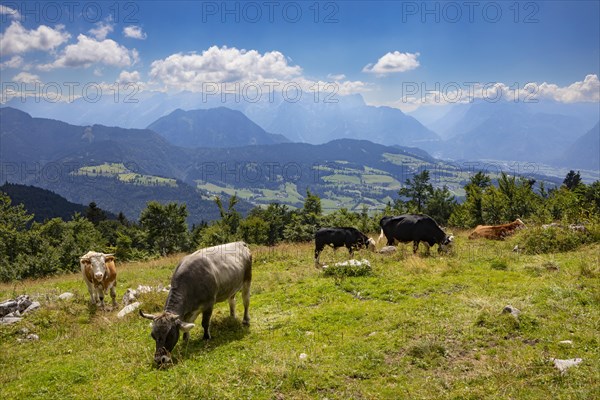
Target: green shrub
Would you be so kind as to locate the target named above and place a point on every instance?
(537, 240)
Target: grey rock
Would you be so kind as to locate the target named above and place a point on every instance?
(128, 309)
(564, 365)
(33, 306)
(66, 296)
(388, 250)
(515, 312)
(8, 306)
(9, 320)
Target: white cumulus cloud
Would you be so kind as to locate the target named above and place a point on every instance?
(88, 51)
(101, 30)
(134, 32)
(26, 77)
(393, 62)
(222, 64)
(128, 77)
(12, 13)
(13, 62)
(587, 90)
(16, 39)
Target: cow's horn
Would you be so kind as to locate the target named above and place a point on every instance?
(147, 316)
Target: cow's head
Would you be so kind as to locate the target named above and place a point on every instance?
(95, 265)
(519, 223)
(446, 245)
(165, 331)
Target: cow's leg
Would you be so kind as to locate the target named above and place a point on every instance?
(206, 314)
(350, 252)
(113, 295)
(318, 250)
(246, 300)
(232, 306)
(100, 292)
(415, 246)
(390, 241)
(92, 291)
(427, 247)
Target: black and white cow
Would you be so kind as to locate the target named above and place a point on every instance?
(414, 228)
(351, 238)
(201, 279)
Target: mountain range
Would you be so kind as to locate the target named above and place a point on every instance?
(191, 156)
(309, 120)
(121, 169)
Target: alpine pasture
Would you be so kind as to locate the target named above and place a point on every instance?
(416, 327)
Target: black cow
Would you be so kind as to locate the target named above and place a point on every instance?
(414, 228)
(337, 237)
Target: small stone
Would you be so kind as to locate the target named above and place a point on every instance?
(563, 365)
(372, 334)
(32, 337)
(34, 306)
(566, 342)
(9, 320)
(7, 307)
(129, 297)
(303, 356)
(388, 250)
(512, 310)
(309, 333)
(128, 309)
(23, 331)
(66, 296)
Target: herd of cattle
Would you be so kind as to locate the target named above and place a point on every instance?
(216, 274)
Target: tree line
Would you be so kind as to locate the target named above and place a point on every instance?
(34, 249)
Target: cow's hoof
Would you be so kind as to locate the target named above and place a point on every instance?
(246, 322)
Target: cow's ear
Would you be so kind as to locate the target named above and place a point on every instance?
(85, 260)
(185, 326)
(109, 257)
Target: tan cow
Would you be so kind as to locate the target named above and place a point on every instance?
(497, 232)
(100, 275)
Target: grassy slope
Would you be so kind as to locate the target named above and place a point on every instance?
(120, 172)
(420, 327)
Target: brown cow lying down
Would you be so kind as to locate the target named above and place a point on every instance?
(497, 232)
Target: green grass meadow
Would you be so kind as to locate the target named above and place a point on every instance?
(418, 327)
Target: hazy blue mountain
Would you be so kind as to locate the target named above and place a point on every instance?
(310, 119)
(45, 153)
(350, 118)
(455, 119)
(215, 127)
(585, 152)
(39, 141)
(511, 131)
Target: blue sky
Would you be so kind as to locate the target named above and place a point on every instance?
(372, 48)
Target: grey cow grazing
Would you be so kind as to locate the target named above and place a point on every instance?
(201, 279)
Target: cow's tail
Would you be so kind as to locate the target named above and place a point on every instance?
(380, 236)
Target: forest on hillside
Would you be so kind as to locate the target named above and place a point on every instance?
(30, 248)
